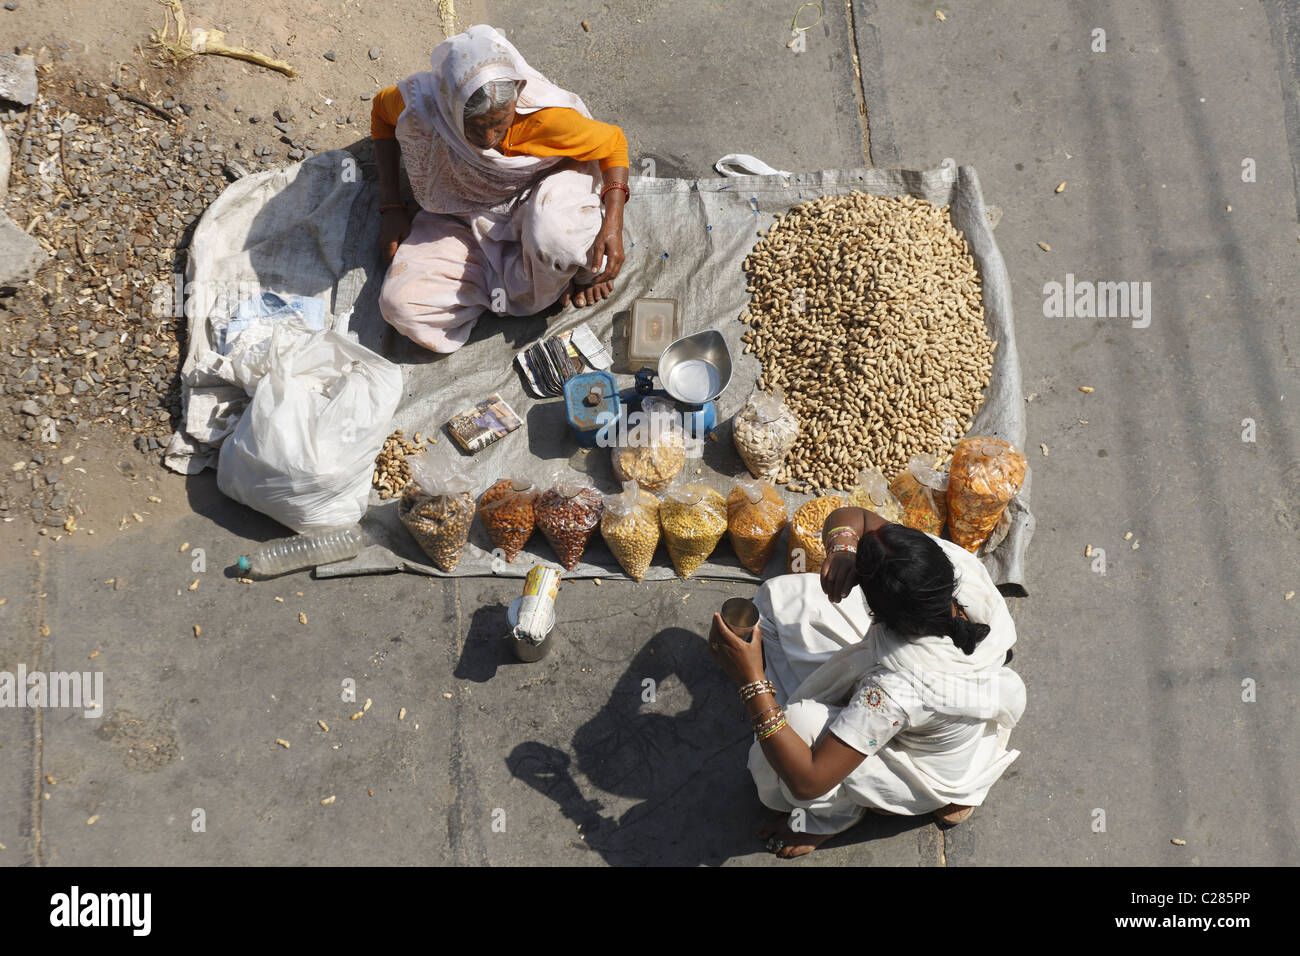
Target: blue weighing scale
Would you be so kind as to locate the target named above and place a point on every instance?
(693, 372)
(698, 420)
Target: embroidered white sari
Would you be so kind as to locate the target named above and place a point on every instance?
(934, 722)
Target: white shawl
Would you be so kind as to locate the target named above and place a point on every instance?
(448, 173)
(950, 682)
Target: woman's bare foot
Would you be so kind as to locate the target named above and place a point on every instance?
(580, 296)
(953, 814)
(786, 843)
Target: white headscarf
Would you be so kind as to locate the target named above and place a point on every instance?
(950, 681)
(448, 173)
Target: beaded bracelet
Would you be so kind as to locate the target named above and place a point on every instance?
(760, 725)
(852, 549)
(623, 186)
(750, 691)
(840, 529)
(754, 717)
(768, 733)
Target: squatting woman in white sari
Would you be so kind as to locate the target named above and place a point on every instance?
(511, 174)
(885, 686)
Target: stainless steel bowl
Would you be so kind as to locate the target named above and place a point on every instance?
(696, 368)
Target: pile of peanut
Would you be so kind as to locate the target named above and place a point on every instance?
(867, 311)
(392, 473)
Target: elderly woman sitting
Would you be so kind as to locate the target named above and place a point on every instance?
(510, 173)
(886, 686)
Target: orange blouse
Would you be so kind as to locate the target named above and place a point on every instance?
(554, 131)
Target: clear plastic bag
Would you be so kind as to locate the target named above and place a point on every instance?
(656, 449)
(437, 508)
(986, 473)
(872, 492)
(568, 514)
(764, 431)
(507, 511)
(694, 519)
(630, 526)
(807, 550)
(922, 490)
(756, 516)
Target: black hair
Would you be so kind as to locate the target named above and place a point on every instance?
(909, 584)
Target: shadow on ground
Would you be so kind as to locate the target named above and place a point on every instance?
(696, 802)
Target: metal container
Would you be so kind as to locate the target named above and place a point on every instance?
(527, 651)
(696, 368)
(741, 615)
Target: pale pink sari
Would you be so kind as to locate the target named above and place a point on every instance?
(496, 233)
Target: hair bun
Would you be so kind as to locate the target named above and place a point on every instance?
(967, 634)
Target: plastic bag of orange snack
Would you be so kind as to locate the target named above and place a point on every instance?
(986, 474)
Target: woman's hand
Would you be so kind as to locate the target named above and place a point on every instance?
(609, 243)
(839, 575)
(741, 659)
(393, 229)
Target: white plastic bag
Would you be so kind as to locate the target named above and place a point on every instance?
(304, 450)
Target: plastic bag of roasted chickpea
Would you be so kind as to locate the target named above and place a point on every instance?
(437, 509)
(630, 526)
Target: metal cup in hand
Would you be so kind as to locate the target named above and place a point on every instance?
(740, 615)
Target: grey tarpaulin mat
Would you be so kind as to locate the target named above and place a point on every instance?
(310, 230)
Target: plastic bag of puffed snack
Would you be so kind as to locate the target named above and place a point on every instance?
(807, 549)
(655, 452)
(872, 492)
(986, 473)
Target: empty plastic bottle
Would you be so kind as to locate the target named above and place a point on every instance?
(303, 551)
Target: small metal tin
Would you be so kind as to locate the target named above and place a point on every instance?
(527, 651)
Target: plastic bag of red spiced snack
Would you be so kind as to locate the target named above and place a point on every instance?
(568, 514)
(507, 512)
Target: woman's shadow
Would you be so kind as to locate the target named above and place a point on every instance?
(686, 768)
